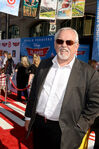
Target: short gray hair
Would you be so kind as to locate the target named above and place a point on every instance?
(67, 28)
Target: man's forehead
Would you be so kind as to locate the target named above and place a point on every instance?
(67, 33)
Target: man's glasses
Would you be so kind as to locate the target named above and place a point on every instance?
(68, 42)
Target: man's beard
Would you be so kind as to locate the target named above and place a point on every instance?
(64, 56)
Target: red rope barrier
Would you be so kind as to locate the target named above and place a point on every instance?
(18, 88)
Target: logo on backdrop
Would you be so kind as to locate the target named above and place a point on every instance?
(81, 52)
(40, 52)
(43, 46)
(9, 44)
(11, 2)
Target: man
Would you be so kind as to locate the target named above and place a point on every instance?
(64, 98)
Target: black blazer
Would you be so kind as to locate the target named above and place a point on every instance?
(80, 105)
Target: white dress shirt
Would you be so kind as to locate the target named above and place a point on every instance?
(52, 94)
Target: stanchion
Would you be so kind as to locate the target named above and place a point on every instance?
(6, 88)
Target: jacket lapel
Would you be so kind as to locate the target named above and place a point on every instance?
(72, 82)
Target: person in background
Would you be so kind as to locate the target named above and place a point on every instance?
(22, 77)
(33, 68)
(9, 66)
(5, 58)
(9, 70)
(64, 97)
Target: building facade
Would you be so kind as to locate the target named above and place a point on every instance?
(21, 26)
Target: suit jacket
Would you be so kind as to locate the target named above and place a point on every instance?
(80, 104)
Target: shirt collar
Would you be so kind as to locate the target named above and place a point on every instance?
(67, 65)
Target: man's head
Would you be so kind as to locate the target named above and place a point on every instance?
(66, 44)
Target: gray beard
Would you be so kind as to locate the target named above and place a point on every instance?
(63, 57)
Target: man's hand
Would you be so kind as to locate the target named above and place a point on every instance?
(27, 124)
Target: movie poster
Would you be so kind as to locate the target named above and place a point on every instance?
(52, 29)
(64, 9)
(78, 7)
(48, 9)
(30, 8)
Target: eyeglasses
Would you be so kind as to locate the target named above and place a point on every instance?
(68, 42)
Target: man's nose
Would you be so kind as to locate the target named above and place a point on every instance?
(64, 44)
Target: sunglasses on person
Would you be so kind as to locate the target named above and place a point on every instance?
(68, 42)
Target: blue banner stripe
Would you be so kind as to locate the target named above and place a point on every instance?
(95, 52)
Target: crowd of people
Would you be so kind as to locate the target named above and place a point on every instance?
(7, 67)
(24, 70)
(63, 100)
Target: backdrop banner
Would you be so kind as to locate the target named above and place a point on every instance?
(12, 46)
(83, 52)
(95, 51)
(10, 6)
(43, 46)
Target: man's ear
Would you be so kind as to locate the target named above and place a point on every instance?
(76, 48)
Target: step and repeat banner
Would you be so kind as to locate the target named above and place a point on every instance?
(12, 46)
(43, 46)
